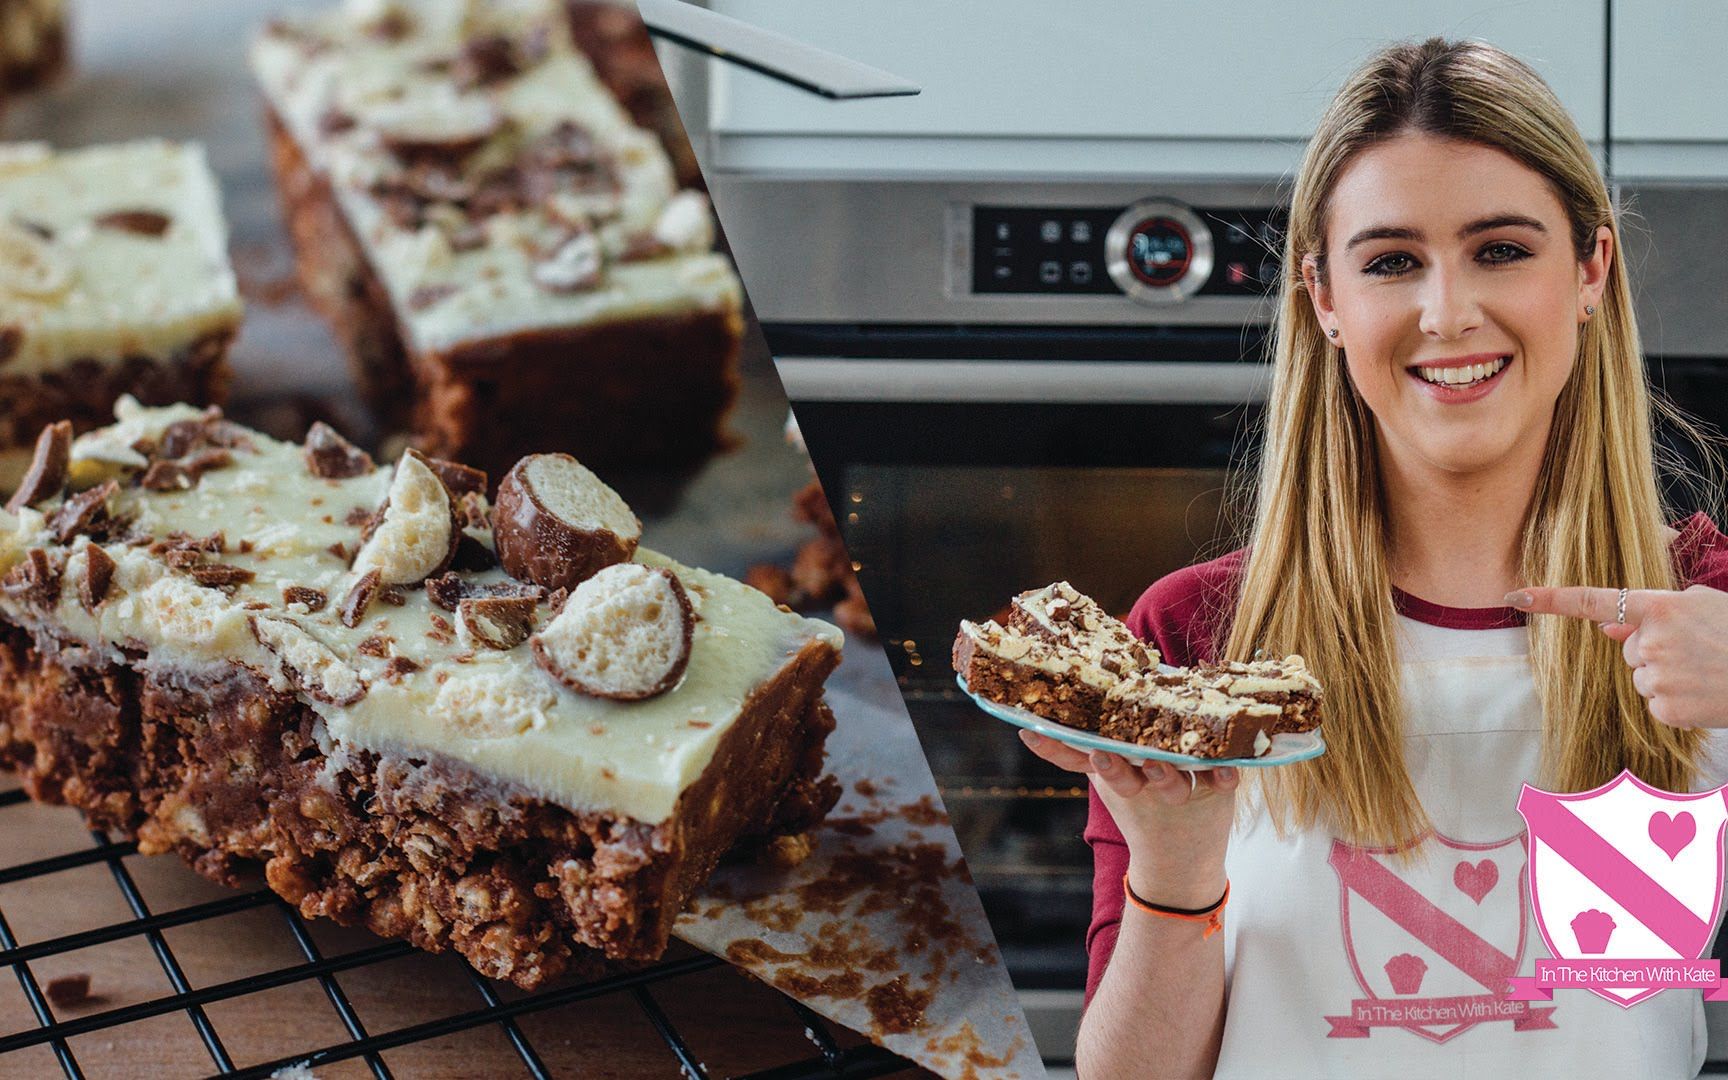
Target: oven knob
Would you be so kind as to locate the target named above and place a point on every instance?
(1158, 252)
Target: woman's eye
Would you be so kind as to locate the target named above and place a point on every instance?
(1503, 252)
(1391, 265)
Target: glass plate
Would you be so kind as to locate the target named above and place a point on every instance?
(1286, 749)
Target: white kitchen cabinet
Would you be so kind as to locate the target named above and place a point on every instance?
(1670, 89)
(1102, 86)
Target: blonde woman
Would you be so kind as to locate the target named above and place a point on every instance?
(1459, 422)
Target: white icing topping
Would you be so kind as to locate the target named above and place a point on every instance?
(502, 285)
(88, 290)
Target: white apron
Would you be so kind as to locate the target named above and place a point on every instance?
(1343, 962)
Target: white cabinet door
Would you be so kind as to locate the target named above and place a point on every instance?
(1090, 71)
(1670, 89)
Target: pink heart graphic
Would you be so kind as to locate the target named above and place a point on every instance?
(1476, 880)
(1672, 834)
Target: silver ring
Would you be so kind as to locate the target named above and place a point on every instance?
(1620, 609)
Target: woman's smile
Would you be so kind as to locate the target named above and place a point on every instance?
(1459, 380)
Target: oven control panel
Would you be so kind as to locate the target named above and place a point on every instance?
(1155, 251)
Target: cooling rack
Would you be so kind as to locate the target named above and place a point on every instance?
(498, 1008)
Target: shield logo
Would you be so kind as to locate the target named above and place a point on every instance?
(1432, 934)
(1626, 872)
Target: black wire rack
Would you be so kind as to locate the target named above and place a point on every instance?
(830, 1059)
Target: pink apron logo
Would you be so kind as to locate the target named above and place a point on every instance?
(1626, 882)
(1434, 942)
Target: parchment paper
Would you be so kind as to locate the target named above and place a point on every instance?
(880, 926)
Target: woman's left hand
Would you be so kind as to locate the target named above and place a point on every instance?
(1675, 642)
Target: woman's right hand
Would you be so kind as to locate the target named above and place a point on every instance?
(1177, 832)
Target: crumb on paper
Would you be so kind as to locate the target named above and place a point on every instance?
(300, 1070)
(66, 991)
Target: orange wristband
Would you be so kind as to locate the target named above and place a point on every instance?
(1212, 916)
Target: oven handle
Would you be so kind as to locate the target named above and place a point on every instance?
(1062, 382)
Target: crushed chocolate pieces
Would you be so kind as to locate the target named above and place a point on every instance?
(360, 598)
(486, 60)
(642, 246)
(68, 991)
(181, 474)
(221, 576)
(82, 512)
(340, 550)
(574, 265)
(472, 555)
(393, 595)
(471, 507)
(359, 515)
(36, 580)
(48, 468)
(458, 479)
(98, 576)
(184, 437)
(11, 340)
(149, 223)
(393, 25)
(330, 456)
(314, 599)
(400, 666)
(165, 475)
(447, 591)
(334, 121)
(214, 544)
(498, 622)
(426, 296)
(377, 645)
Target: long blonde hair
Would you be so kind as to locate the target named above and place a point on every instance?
(1316, 579)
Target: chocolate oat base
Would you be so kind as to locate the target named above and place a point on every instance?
(1162, 729)
(655, 390)
(85, 389)
(235, 776)
(1066, 701)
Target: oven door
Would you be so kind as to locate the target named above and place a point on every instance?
(958, 482)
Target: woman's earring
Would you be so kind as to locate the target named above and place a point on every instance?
(1332, 333)
(1589, 309)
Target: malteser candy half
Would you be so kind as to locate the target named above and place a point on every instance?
(556, 523)
(48, 468)
(418, 534)
(624, 633)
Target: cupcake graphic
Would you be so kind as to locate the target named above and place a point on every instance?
(1406, 971)
(1592, 928)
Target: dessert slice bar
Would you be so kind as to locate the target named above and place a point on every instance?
(504, 254)
(32, 44)
(359, 678)
(1061, 614)
(114, 279)
(611, 34)
(1286, 683)
(1031, 673)
(1187, 719)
